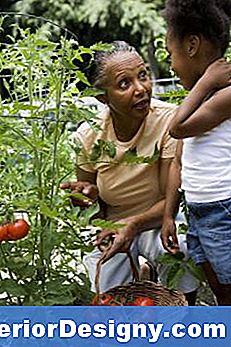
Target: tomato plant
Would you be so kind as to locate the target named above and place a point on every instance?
(38, 106)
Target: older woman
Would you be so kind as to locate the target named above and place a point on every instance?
(133, 195)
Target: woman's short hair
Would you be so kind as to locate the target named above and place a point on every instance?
(96, 71)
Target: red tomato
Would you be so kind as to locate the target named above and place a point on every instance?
(102, 300)
(143, 301)
(3, 232)
(17, 230)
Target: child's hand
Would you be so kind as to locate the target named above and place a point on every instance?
(218, 74)
(169, 236)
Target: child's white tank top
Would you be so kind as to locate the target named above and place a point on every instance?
(206, 165)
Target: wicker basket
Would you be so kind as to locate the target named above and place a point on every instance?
(161, 295)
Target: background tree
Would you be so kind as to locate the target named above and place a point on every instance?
(137, 21)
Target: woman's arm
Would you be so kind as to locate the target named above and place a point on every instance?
(83, 175)
(134, 225)
(201, 112)
(152, 218)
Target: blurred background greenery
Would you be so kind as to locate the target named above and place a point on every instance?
(138, 22)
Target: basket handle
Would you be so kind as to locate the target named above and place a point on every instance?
(135, 272)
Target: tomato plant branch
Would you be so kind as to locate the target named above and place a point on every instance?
(8, 295)
(8, 268)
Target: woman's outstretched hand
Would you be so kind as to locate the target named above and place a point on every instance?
(82, 194)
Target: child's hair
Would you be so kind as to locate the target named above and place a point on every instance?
(210, 18)
(96, 71)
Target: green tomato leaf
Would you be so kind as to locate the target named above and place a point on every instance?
(86, 215)
(178, 256)
(195, 270)
(79, 196)
(46, 211)
(105, 224)
(182, 228)
(175, 274)
(96, 152)
(12, 287)
(131, 157)
(110, 149)
(167, 258)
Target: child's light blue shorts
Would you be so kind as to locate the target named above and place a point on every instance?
(209, 236)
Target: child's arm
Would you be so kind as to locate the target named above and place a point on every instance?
(172, 202)
(201, 112)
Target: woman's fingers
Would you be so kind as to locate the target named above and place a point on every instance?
(69, 185)
(105, 239)
(83, 194)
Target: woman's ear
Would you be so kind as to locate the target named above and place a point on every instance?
(193, 44)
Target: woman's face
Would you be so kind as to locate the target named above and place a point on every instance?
(182, 62)
(127, 85)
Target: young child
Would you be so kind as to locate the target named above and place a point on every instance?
(197, 37)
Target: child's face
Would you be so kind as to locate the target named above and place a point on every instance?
(182, 62)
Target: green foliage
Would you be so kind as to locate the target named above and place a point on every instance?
(183, 205)
(106, 150)
(176, 267)
(177, 264)
(138, 22)
(106, 224)
(228, 53)
(182, 228)
(102, 147)
(36, 155)
(39, 104)
(137, 15)
(131, 157)
(161, 53)
(174, 96)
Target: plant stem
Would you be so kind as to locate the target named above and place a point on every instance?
(4, 257)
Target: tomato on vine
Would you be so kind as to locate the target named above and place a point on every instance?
(3, 232)
(14, 231)
(18, 230)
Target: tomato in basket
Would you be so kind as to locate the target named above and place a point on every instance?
(143, 301)
(102, 300)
